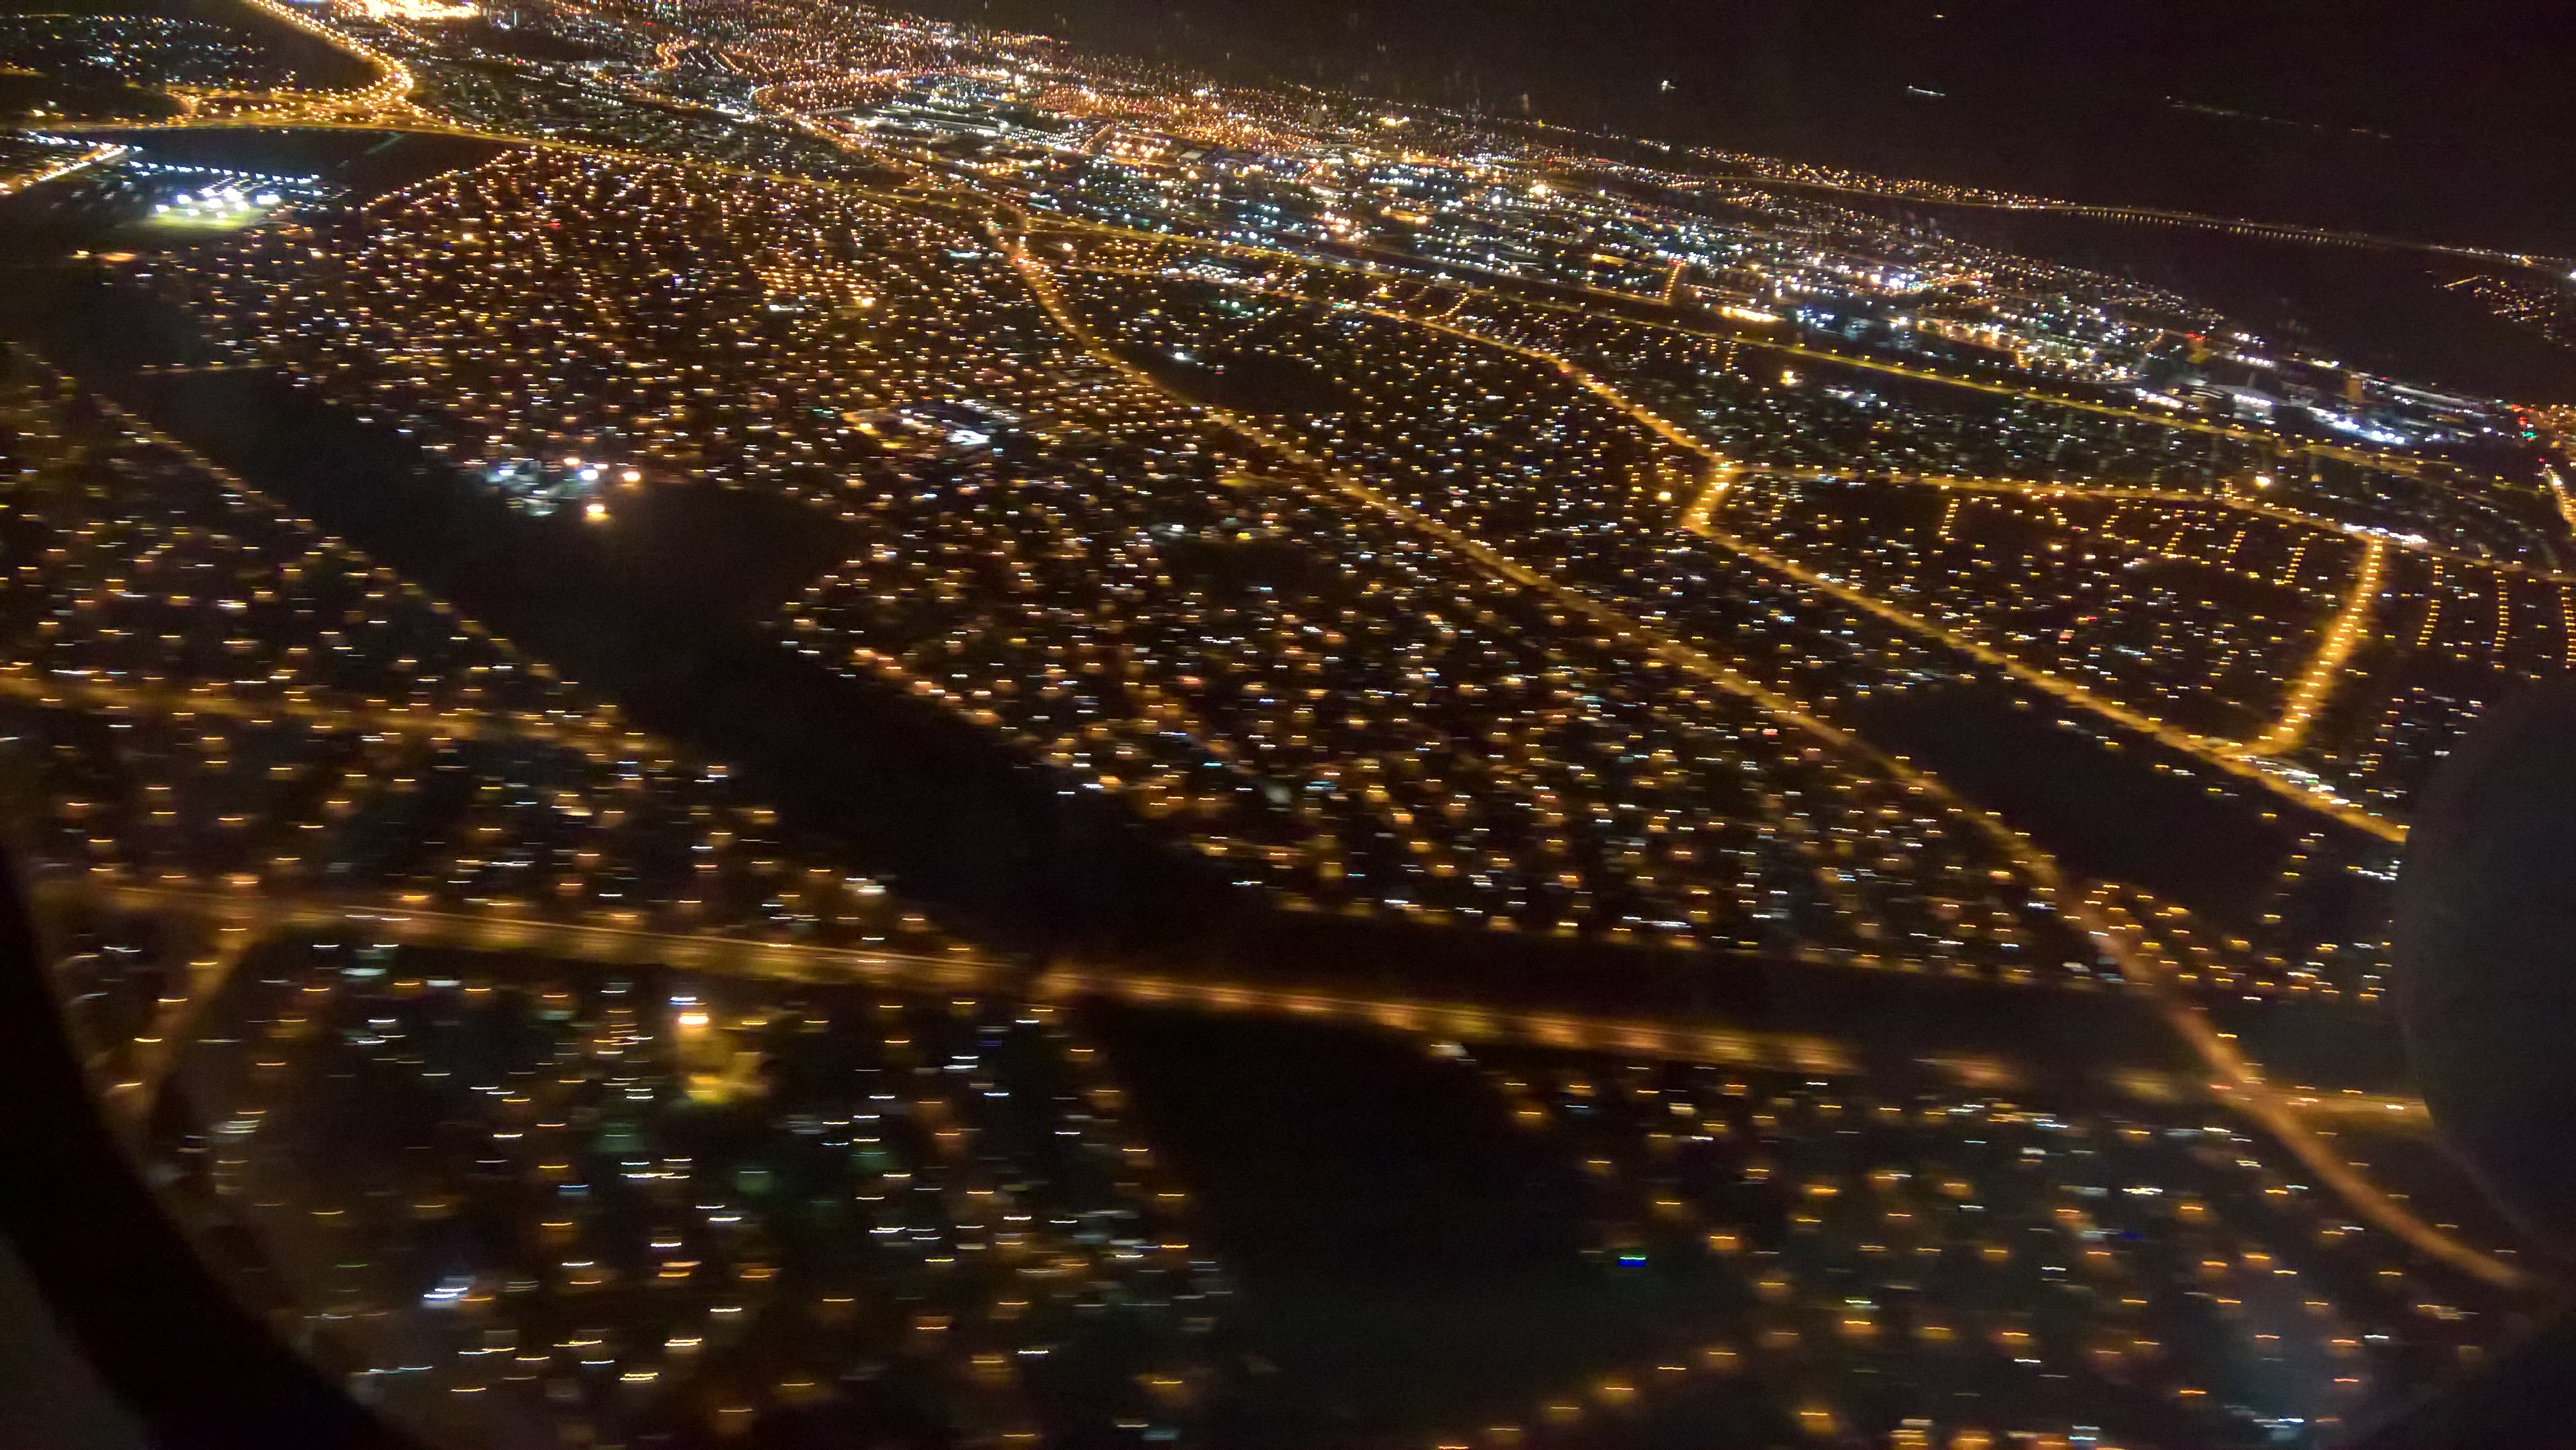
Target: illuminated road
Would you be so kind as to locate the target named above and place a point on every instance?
(235, 922)
(2043, 488)
(2377, 1110)
(2240, 1083)
(388, 95)
(599, 737)
(2315, 683)
(1699, 516)
(2558, 491)
(1463, 1021)
(88, 158)
(2224, 754)
(232, 924)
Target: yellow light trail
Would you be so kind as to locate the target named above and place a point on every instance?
(1700, 515)
(592, 938)
(241, 920)
(1465, 1021)
(2046, 488)
(88, 158)
(2225, 755)
(389, 94)
(244, 920)
(591, 735)
(2558, 491)
(2351, 626)
(2382, 1110)
(2241, 1084)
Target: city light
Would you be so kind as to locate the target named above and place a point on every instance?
(1425, 617)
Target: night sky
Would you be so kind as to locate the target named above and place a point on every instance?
(2454, 122)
